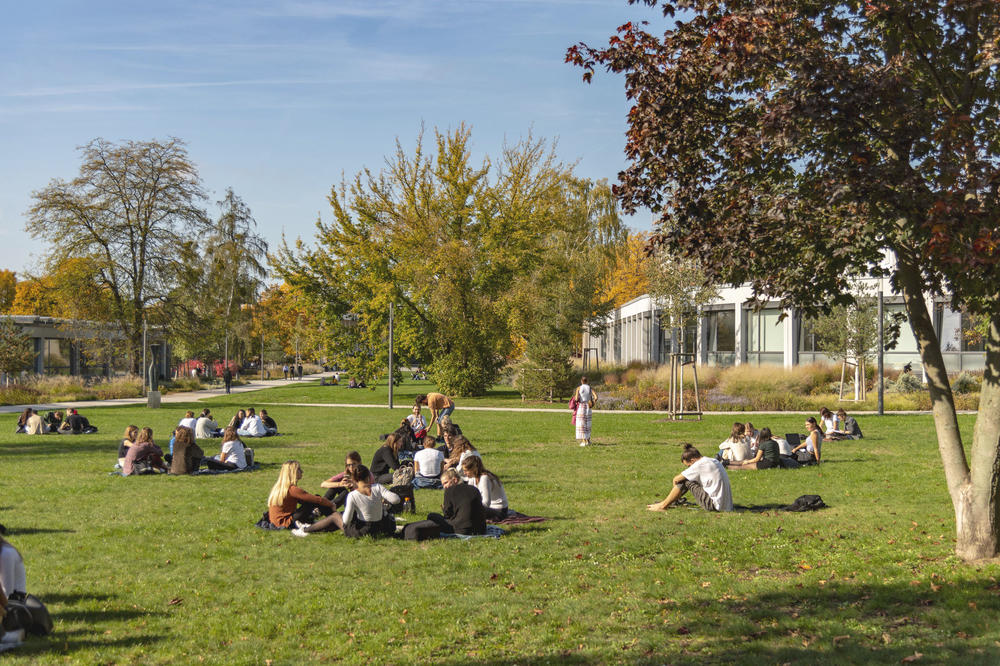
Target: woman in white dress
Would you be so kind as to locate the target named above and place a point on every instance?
(585, 398)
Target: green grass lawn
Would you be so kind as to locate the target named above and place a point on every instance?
(311, 392)
(171, 570)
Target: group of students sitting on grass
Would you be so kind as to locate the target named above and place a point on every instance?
(370, 495)
(749, 448)
(139, 454)
(70, 422)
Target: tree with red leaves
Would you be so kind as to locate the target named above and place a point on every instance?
(814, 139)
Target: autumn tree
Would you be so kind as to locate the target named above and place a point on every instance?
(130, 210)
(628, 276)
(8, 289)
(444, 239)
(16, 350)
(789, 144)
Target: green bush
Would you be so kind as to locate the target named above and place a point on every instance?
(19, 395)
(966, 383)
(906, 383)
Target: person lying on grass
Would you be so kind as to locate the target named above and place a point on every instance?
(707, 480)
(489, 486)
(342, 484)
(463, 508)
(427, 465)
(288, 504)
(364, 513)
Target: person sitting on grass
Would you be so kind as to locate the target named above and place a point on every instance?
(462, 507)
(417, 424)
(829, 425)
(186, 455)
(461, 448)
(54, 419)
(252, 426)
(427, 466)
(144, 457)
(22, 421)
(490, 489)
(233, 455)
(128, 441)
(705, 478)
(77, 424)
(364, 513)
(340, 485)
(269, 424)
(752, 435)
(736, 448)
(189, 421)
(206, 427)
(238, 419)
(386, 459)
(768, 454)
(807, 453)
(33, 424)
(849, 427)
(289, 505)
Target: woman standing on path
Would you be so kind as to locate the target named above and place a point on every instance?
(585, 398)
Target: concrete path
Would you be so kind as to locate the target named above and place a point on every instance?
(195, 396)
(186, 396)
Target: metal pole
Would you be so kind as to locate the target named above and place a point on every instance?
(145, 379)
(390, 355)
(881, 361)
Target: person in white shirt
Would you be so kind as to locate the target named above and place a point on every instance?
(417, 423)
(252, 425)
(12, 574)
(189, 421)
(492, 491)
(428, 464)
(736, 448)
(707, 480)
(206, 427)
(364, 512)
(233, 455)
(585, 398)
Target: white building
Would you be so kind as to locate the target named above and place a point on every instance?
(730, 332)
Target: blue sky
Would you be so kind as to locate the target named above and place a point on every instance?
(278, 98)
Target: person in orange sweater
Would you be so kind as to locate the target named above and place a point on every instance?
(440, 406)
(288, 505)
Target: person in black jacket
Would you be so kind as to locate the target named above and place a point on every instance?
(386, 460)
(463, 507)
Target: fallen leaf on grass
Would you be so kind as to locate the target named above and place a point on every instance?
(886, 638)
(494, 576)
(839, 639)
(912, 658)
(706, 583)
(176, 601)
(683, 631)
(537, 611)
(805, 567)
(972, 605)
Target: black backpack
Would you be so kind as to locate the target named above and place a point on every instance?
(422, 530)
(806, 503)
(25, 611)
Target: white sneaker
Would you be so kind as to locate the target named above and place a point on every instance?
(299, 532)
(583, 443)
(301, 525)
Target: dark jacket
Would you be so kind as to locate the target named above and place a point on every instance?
(463, 509)
(186, 458)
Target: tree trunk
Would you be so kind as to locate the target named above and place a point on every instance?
(973, 492)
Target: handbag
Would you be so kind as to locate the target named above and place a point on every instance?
(403, 476)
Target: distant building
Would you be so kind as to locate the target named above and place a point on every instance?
(84, 348)
(729, 332)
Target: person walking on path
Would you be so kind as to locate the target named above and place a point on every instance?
(299, 369)
(440, 406)
(227, 377)
(585, 398)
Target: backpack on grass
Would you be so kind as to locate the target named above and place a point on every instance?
(26, 611)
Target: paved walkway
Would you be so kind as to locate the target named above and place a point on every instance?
(185, 396)
(257, 385)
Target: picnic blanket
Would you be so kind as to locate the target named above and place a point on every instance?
(492, 532)
(518, 518)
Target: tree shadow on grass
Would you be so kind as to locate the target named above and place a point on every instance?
(60, 447)
(62, 598)
(59, 644)
(17, 531)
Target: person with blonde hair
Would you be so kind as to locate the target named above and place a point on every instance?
(287, 504)
(128, 441)
(494, 497)
(461, 448)
(462, 509)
